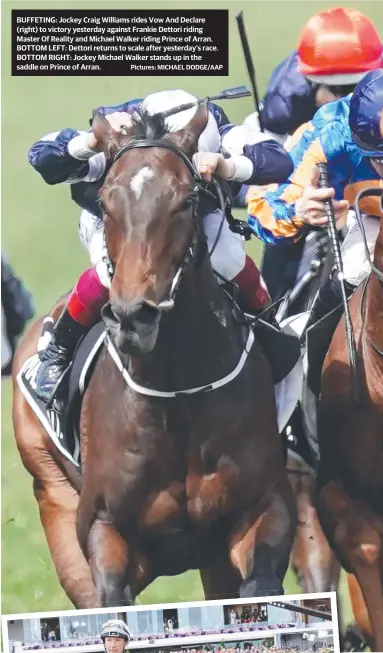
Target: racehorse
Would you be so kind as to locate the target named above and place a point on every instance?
(183, 466)
(350, 479)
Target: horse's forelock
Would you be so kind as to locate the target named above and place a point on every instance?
(149, 126)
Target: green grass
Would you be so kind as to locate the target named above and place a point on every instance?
(39, 231)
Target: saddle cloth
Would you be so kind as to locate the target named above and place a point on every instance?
(281, 349)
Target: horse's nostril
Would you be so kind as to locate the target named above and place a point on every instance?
(132, 317)
(146, 314)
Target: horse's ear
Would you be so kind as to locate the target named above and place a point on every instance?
(110, 141)
(187, 138)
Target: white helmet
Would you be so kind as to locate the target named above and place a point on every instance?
(209, 141)
(115, 628)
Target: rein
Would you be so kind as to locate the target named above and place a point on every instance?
(334, 240)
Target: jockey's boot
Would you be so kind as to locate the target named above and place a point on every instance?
(328, 298)
(57, 355)
(253, 295)
(80, 313)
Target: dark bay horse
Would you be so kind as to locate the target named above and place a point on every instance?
(350, 480)
(170, 481)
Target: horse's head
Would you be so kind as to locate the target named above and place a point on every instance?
(149, 204)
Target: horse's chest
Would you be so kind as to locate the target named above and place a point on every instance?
(180, 481)
(164, 509)
(197, 501)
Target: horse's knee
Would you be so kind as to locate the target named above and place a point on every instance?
(357, 535)
(366, 554)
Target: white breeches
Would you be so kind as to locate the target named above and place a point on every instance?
(228, 258)
(355, 264)
(91, 232)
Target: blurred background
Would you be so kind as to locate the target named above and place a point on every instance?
(40, 238)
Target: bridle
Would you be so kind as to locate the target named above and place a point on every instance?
(191, 252)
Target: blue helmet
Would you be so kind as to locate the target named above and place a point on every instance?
(366, 115)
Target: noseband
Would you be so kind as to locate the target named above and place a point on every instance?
(191, 250)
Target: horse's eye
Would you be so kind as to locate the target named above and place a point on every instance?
(188, 204)
(101, 205)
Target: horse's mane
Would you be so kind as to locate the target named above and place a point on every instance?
(148, 126)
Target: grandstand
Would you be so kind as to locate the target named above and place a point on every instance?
(232, 627)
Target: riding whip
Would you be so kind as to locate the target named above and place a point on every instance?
(228, 94)
(249, 64)
(333, 236)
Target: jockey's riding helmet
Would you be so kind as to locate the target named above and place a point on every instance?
(366, 115)
(209, 141)
(116, 628)
(337, 47)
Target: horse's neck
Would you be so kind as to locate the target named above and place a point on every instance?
(374, 301)
(198, 341)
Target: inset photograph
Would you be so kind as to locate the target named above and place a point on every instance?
(287, 623)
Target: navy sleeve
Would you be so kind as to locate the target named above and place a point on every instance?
(50, 158)
(271, 163)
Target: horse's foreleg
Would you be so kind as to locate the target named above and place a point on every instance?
(220, 581)
(108, 557)
(57, 501)
(357, 537)
(119, 573)
(360, 609)
(312, 559)
(58, 504)
(260, 549)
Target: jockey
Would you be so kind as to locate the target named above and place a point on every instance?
(115, 636)
(347, 136)
(235, 153)
(333, 44)
(335, 47)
